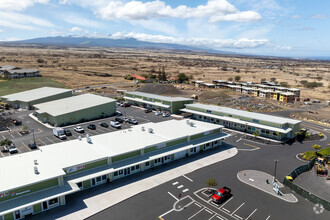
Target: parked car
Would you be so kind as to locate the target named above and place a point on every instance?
(221, 194)
(158, 113)
(166, 114)
(125, 119)
(118, 113)
(67, 132)
(91, 126)
(32, 146)
(148, 110)
(132, 121)
(120, 120)
(118, 103)
(115, 124)
(12, 148)
(126, 105)
(79, 129)
(105, 125)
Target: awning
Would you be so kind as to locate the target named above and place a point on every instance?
(148, 102)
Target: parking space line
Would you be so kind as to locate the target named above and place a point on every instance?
(268, 217)
(238, 216)
(42, 141)
(251, 214)
(185, 190)
(188, 178)
(2, 154)
(227, 201)
(24, 144)
(179, 187)
(213, 216)
(198, 205)
(19, 134)
(172, 196)
(196, 213)
(175, 183)
(19, 151)
(11, 135)
(238, 208)
(3, 137)
(50, 140)
(208, 211)
(226, 210)
(165, 213)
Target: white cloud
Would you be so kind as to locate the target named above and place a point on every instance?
(19, 5)
(16, 20)
(76, 29)
(12, 39)
(215, 10)
(1, 30)
(295, 16)
(202, 42)
(283, 48)
(319, 16)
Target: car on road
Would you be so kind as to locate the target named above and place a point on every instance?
(158, 113)
(105, 125)
(115, 124)
(67, 132)
(91, 126)
(32, 146)
(166, 114)
(132, 121)
(119, 120)
(79, 129)
(148, 110)
(221, 194)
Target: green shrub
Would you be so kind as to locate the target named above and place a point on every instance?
(325, 151)
(308, 155)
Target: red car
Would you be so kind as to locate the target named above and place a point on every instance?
(126, 105)
(221, 194)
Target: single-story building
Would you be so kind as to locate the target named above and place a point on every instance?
(164, 103)
(32, 97)
(21, 73)
(198, 83)
(266, 125)
(75, 109)
(43, 178)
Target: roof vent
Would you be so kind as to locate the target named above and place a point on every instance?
(142, 128)
(150, 130)
(36, 171)
(35, 162)
(88, 139)
(79, 137)
(130, 129)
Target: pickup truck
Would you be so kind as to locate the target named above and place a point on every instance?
(221, 194)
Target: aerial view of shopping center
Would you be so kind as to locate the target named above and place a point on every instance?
(164, 110)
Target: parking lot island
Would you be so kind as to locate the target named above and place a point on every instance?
(43, 178)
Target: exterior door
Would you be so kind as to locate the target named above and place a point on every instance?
(17, 214)
(44, 205)
(93, 182)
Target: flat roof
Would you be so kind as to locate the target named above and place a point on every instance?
(23, 70)
(293, 89)
(287, 93)
(253, 115)
(72, 104)
(160, 97)
(148, 102)
(52, 159)
(35, 94)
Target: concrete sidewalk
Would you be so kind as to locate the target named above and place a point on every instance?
(257, 179)
(102, 201)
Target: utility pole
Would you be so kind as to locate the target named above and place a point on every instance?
(276, 161)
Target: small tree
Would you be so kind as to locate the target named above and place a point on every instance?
(230, 79)
(237, 78)
(256, 134)
(5, 142)
(182, 77)
(284, 84)
(273, 79)
(316, 147)
(211, 183)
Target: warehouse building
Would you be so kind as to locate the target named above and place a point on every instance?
(32, 97)
(164, 103)
(45, 177)
(265, 125)
(75, 109)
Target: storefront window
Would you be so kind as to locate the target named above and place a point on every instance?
(53, 201)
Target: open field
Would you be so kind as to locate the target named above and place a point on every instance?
(79, 67)
(19, 85)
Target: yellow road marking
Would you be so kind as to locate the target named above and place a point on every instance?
(160, 218)
(319, 129)
(251, 145)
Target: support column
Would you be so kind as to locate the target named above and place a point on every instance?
(62, 200)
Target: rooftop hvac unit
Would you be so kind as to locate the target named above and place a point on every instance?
(79, 137)
(187, 122)
(89, 140)
(142, 128)
(35, 162)
(130, 129)
(36, 171)
(150, 130)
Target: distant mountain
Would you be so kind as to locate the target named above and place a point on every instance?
(108, 42)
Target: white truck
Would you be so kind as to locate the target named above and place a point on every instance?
(59, 132)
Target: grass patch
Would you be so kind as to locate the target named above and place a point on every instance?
(20, 85)
(308, 155)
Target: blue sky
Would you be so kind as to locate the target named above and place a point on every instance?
(267, 27)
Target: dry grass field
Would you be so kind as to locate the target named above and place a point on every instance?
(79, 67)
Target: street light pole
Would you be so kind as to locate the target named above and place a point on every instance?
(276, 161)
(34, 140)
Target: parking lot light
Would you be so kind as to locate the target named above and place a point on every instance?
(276, 161)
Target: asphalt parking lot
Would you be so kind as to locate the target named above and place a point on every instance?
(43, 136)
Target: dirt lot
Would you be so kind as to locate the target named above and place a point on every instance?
(79, 67)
